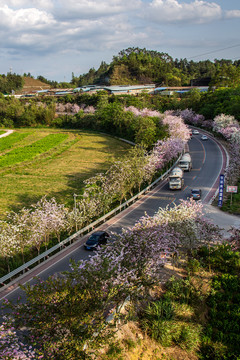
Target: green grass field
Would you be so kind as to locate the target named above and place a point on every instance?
(35, 162)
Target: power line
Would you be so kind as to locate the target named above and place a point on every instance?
(211, 52)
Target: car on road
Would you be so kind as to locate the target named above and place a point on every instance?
(195, 132)
(96, 239)
(204, 137)
(196, 194)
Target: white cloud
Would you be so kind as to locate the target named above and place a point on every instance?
(231, 14)
(94, 8)
(172, 11)
(16, 4)
(24, 19)
(73, 29)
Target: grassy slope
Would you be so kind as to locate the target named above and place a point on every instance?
(31, 84)
(59, 172)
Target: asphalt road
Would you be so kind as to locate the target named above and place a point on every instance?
(207, 165)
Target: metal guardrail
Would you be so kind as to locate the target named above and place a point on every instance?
(86, 229)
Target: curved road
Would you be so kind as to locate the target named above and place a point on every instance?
(208, 162)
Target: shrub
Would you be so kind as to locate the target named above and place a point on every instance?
(193, 266)
(189, 337)
(213, 350)
(114, 351)
(155, 321)
(221, 258)
(181, 290)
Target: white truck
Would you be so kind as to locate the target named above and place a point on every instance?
(185, 162)
(175, 179)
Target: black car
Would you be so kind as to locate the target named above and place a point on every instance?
(196, 194)
(96, 239)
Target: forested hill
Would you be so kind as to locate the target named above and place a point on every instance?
(138, 66)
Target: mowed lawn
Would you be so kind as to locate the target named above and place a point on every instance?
(38, 162)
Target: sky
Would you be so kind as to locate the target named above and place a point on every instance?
(55, 38)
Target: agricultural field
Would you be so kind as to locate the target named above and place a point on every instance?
(35, 162)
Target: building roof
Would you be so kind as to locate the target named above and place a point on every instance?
(128, 87)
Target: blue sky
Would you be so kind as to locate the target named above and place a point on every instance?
(54, 38)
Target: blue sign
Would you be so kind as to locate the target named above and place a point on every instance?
(221, 188)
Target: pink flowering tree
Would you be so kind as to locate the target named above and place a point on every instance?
(151, 166)
(75, 109)
(138, 160)
(233, 169)
(21, 229)
(120, 178)
(68, 107)
(11, 346)
(8, 242)
(222, 121)
(234, 239)
(188, 221)
(166, 150)
(60, 108)
(190, 117)
(49, 218)
(37, 233)
(67, 314)
(143, 112)
(177, 128)
(75, 220)
(89, 110)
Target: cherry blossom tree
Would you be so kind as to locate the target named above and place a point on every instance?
(234, 239)
(11, 347)
(67, 314)
(75, 109)
(120, 177)
(22, 230)
(49, 217)
(188, 221)
(222, 121)
(189, 116)
(60, 107)
(176, 127)
(166, 150)
(233, 169)
(89, 110)
(8, 241)
(143, 112)
(151, 166)
(68, 107)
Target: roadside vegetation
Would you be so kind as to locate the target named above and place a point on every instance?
(170, 284)
(183, 306)
(26, 233)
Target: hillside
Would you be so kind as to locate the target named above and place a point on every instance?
(141, 66)
(32, 85)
